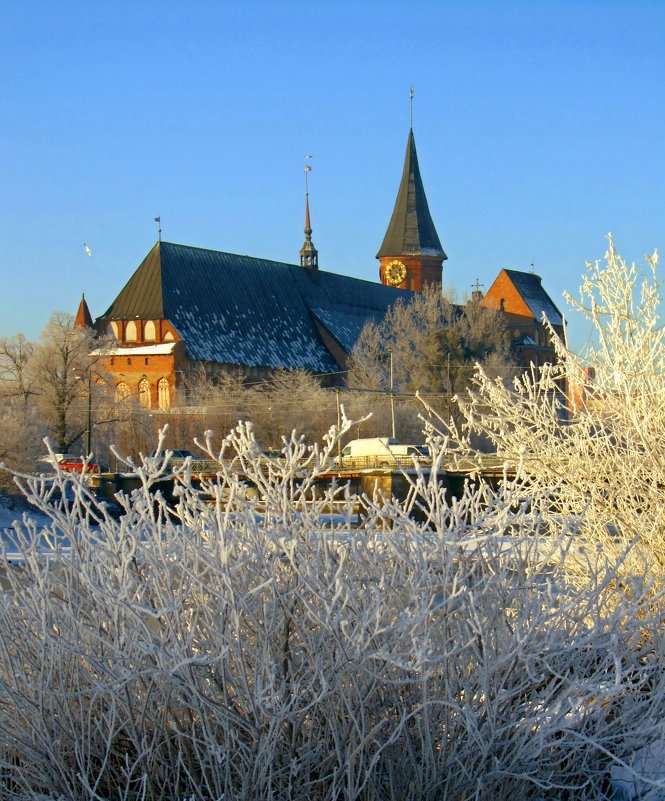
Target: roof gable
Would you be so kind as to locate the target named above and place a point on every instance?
(522, 294)
(142, 295)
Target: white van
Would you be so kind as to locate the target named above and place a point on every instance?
(381, 452)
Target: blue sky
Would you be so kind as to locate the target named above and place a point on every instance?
(540, 126)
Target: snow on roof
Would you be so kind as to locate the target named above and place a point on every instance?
(536, 298)
(233, 309)
(160, 349)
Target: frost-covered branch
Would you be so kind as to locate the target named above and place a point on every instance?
(267, 638)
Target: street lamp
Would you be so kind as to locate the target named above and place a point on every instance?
(389, 356)
(88, 443)
(88, 434)
(392, 396)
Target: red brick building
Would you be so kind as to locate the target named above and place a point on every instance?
(526, 304)
(188, 308)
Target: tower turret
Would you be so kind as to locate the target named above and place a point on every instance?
(83, 317)
(309, 255)
(411, 255)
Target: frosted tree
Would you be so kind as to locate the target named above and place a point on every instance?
(59, 368)
(588, 431)
(434, 344)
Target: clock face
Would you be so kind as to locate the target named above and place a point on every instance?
(394, 273)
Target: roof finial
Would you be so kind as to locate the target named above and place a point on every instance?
(158, 220)
(411, 107)
(309, 256)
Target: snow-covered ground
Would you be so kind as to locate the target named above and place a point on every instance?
(12, 511)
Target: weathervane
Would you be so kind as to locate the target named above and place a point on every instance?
(158, 220)
(411, 107)
(308, 168)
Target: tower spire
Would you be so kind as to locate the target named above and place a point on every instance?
(309, 255)
(83, 317)
(411, 255)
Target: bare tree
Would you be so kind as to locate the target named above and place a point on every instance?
(60, 369)
(20, 428)
(293, 400)
(434, 344)
(16, 354)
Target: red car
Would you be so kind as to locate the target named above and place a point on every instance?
(74, 464)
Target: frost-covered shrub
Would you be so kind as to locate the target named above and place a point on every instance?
(590, 430)
(284, 643)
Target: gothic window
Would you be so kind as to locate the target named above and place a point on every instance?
(163, 393)
(130, 332)
(150, 332)
(122, 391)
(112, 329)
(144, 393)
(168, 337)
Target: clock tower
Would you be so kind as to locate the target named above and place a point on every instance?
(411, 256)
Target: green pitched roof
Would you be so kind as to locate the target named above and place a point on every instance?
(142, 296)
(411, 230)
(245, 311)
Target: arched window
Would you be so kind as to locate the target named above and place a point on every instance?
(112, 329)
(130, 331)
(168, 337)
(163, 393)
(144, 393)
(150, 332)
(122, 390)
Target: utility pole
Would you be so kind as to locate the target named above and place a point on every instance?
(339, 425)
(89, 433)
(448, 387)
(392, 395)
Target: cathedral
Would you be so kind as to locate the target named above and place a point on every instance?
(187, 308)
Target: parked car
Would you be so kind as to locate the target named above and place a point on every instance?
(75, 464)
(178, 456)
(381, 452)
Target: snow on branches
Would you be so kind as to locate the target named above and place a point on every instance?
(264, 638)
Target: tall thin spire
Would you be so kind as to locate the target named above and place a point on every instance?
(411, 230)
(411, 107)
(309, 255)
